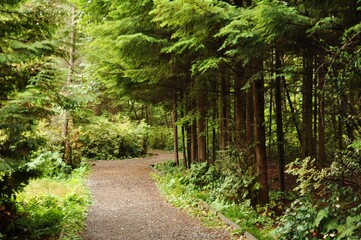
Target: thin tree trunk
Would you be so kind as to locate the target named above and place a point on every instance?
(201, 136)
(279, 123)
(66, 116)
(270, 121)
(307, 134)
(321, 112)
(223, 114)
(175, 129)
(185, 161)
(293, 112)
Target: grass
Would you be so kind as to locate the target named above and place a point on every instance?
(53, 208)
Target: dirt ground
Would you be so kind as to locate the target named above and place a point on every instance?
(128, 205)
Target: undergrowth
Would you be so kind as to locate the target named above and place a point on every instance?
(189, 188)
(51, 207)
(325, 204)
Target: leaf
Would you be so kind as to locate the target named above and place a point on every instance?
(321, 215)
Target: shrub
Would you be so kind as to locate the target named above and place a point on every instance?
(325, 209)
(104, 139)
(161, 138)
(239, 181)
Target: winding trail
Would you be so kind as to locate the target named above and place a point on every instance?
(127, 205)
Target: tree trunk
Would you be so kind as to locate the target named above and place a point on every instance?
(260, 134)
(279, 123)
(249, 117)
(223, 114)
(321, 112)
(201, 135)
(239, 114)
(307, 134)
(175, 129)
(293, 112)
(185, 157)
(66, 115)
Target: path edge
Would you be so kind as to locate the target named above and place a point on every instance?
(223, 218)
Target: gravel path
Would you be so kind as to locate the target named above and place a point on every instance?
(128, 205)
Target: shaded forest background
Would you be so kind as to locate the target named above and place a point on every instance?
(255, 85)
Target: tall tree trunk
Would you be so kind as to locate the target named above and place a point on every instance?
(184, 143)
(293, 112)
(175, 129)
(249, 117)
(223, 113)
(279, 123)
(239, 114)
(321, 111)
(193, 133)
(260, 134)
(201, 138)
(307, 134)
(66, 115)
(194, 147)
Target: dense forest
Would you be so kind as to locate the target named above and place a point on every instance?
(267, 91)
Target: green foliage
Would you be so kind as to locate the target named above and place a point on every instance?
(308, 177)
(325, 209)
(49, 209)
(49, 164)
(160, 137)
(239, 181)
(210, 184)
(118, 139)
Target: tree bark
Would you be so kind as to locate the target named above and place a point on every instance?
(223, 114)
(293, 112)
(184, 143)
(307, 133)
(260, 134)
(321, 112)
(175, 129)
(249, 117)
(201, 135)
(239, 114)
(279, 123)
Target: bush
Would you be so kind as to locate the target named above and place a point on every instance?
(161, 138)
(324, 209)
(104, 139)
(239, 180)
(49, 164)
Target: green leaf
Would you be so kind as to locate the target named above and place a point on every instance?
(321, 215)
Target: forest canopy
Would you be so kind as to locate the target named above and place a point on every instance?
(265, 84)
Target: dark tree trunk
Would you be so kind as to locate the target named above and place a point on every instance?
(239, 114)
(293, 112)
(249, 117)
(194, 147)
(223, 114)
(307, 133)
(175, 129)
(201, 135)
(260, 134)
(321, 112)
(279, 123)
(183, 130)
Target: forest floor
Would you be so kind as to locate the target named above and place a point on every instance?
(128, 205)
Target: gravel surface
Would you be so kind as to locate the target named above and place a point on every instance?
(128, 205)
